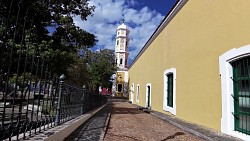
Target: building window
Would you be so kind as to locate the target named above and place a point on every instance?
(148, 95)
(235, 89)
(170, 89)
(169, 101)
(126, 62)
(115, 61)
(241, 85)
(121, 61)
(117, 42)
(132, 93)
(137, 93)
(119, 88)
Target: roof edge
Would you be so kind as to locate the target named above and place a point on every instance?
(171, 14)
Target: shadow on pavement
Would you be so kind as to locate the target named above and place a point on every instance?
(120, 110)
(173, 136)
(123, 136)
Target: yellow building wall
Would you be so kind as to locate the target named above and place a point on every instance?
(120, 80)
(192, 43)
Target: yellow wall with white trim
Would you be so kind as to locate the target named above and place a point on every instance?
(119, 80)
(192, 43)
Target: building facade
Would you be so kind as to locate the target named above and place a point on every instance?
(196, 66)
(121, 58)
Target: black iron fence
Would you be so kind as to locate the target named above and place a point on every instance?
(42, 105)
(32, 97)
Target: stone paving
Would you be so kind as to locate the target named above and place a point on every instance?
(93, 130)
(128, 123)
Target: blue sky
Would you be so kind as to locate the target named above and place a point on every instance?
(141, 16)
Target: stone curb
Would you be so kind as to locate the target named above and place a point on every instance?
(104, 131)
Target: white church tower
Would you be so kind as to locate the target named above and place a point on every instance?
(120, 85)
(121, 47)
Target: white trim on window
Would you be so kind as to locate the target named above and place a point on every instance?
(137, 92)
(132, 90)
(150, 99)
(165, 106)
(227, 120)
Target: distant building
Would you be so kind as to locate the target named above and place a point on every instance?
(196, 66)
(121, 61)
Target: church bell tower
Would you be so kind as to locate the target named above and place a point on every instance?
(121, 47)
(121, 61)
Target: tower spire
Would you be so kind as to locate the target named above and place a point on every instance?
(123, 20)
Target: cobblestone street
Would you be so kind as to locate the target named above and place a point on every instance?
(127, 123)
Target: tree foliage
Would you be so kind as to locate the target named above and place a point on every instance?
(44, 28)
(100, 67)
(43, 31)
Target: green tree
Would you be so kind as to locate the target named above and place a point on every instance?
(77, 72)
(26, 25)
(100, 67)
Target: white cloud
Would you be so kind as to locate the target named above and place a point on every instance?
(108, 16)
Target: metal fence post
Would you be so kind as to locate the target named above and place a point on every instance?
(82, 99)
(58, 109)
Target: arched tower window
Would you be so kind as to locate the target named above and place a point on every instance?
(121, 61)
(117, 42)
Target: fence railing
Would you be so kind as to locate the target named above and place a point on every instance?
(32, 97)
(30, 110)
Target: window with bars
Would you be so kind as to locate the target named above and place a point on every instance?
(169, 98)
(138, 93)
(241, 85)
(170, 89)
(148, 94)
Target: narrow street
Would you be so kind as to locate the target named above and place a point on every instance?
(123, 121)
(127, 123)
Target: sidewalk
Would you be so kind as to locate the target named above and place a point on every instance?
(203, 132)
(94, 129)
